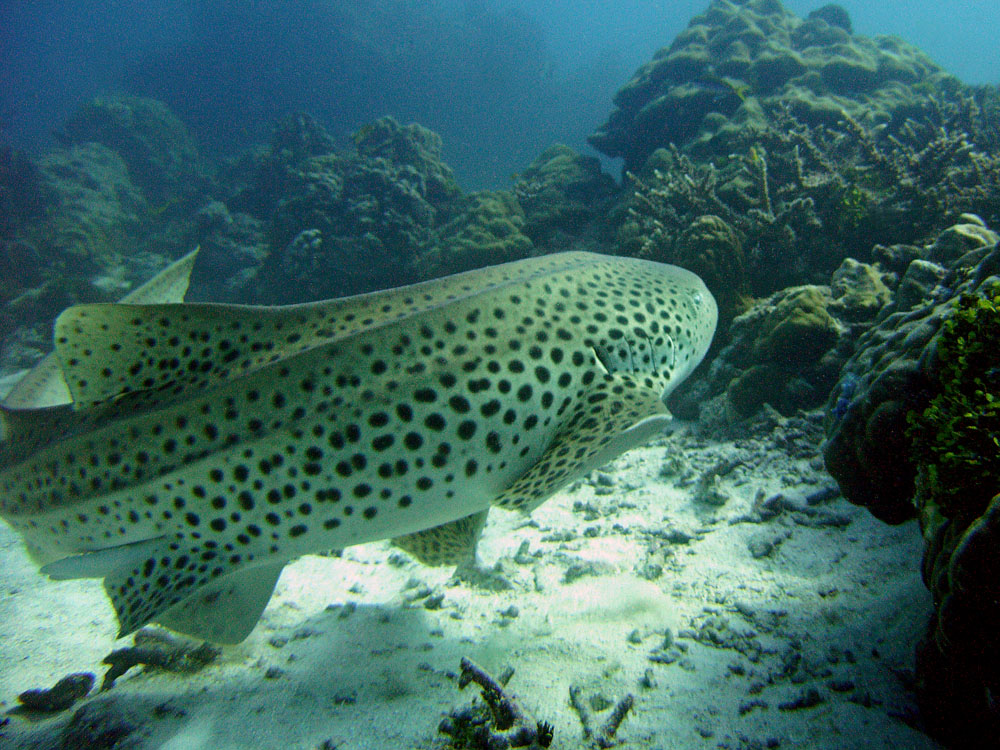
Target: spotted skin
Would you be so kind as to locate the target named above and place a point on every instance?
(204, 440)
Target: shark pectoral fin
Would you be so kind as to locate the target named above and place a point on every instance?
(610, 418)
(450, 543)
(226, 610)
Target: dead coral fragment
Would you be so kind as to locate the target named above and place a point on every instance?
(157, 649)
(60, 696)
(511, 727)
(605, 737)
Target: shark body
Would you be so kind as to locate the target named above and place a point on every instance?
(202, 446)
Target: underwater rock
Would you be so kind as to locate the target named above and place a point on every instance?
(562, 194)
(735, 53)
(369, 214)
(161, 154)
(160, 650)
(959, 239)
(911, 432)
(108, 723)
(60, 696)
(919, 284)
(858, 291)
(754, 387)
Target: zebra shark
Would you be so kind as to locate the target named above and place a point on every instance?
(186, 452)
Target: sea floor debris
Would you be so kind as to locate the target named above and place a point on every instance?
(605, 736)
(60, 696)
(154, 648)
(499, 724)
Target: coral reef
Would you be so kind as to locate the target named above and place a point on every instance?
(604, 737)
(563, 194)
(75, 251)
(390, 212)
(889, 373)
(383, 202)
(161, 155)
(771, 124)
(739, 57)
(785, 350)
(912, 431)
(955, 441)
(87, 220)
(490, 229)
(503, 723)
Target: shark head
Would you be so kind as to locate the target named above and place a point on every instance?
(661, 322)
(205, 446)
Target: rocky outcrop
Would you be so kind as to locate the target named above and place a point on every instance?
(912, 430)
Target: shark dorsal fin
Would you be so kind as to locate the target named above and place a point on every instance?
(44, 384)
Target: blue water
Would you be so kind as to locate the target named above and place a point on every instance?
(499, 79)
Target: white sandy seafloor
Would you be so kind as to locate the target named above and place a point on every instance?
(755, 611)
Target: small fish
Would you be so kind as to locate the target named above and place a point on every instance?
(848, 389)
(186, 452)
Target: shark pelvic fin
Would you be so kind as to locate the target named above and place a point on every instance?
(450, 543)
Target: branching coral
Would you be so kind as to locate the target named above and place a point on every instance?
(803, 197)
